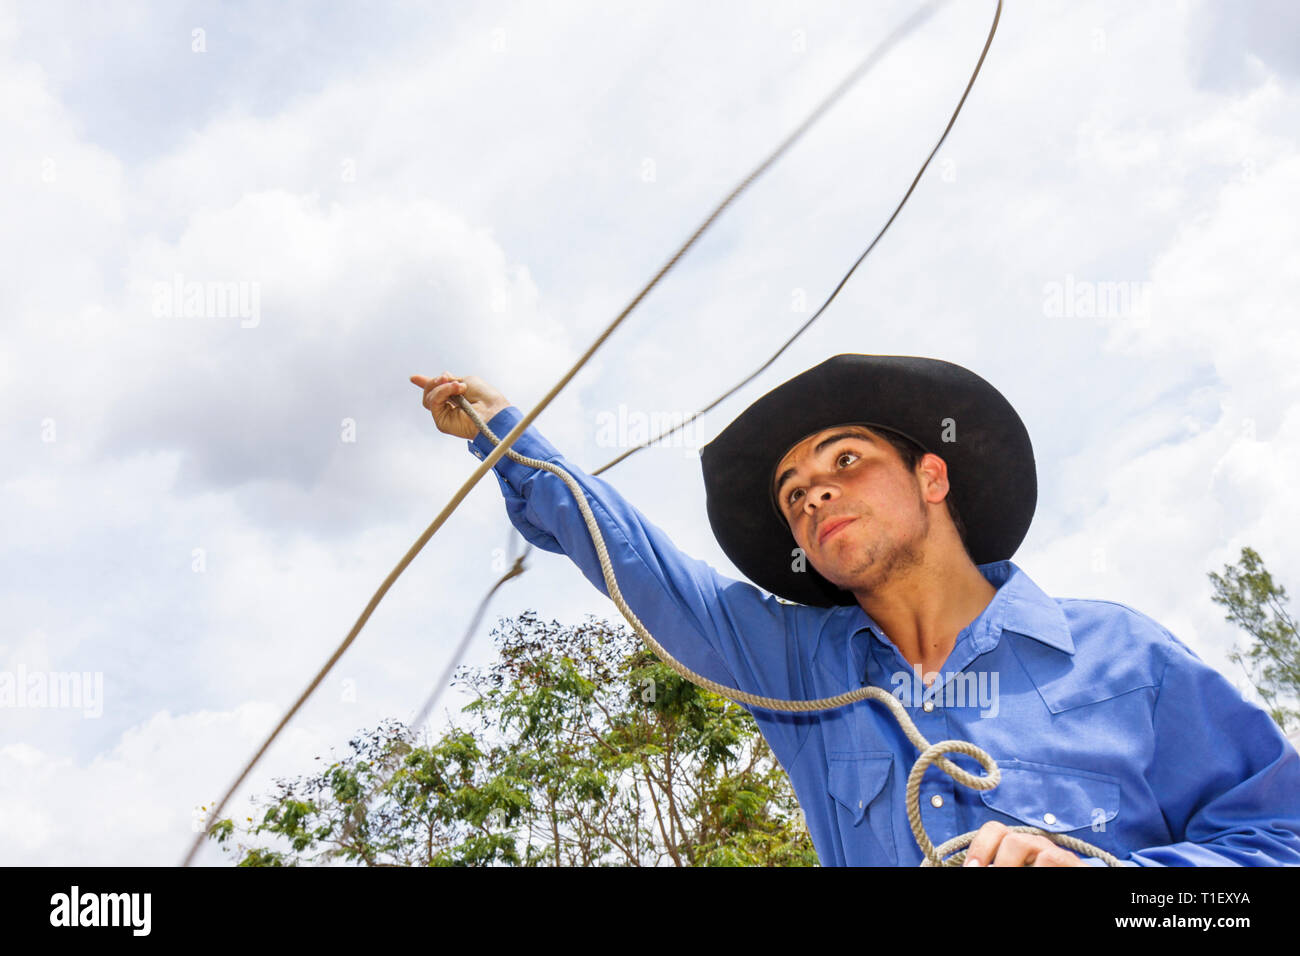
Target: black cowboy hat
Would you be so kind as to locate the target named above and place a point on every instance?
(944, 408)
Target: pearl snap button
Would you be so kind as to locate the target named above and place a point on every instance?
(1049, 818)
(928, 706)
(936, 801)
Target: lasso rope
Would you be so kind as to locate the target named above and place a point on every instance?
(518, 568)
(485, 466)
(930, 753)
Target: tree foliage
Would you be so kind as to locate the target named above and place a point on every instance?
(1258, 605)
(579, 748)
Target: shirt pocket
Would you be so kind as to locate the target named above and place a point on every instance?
(859, 784)
(1058, 799)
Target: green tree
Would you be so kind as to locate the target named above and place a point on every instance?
(1258, 605)
(580, 748)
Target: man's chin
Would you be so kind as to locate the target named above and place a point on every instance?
(869, 576)
(863, 579)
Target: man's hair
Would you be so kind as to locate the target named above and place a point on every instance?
(912, 453)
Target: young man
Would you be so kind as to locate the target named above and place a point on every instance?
(879, 499)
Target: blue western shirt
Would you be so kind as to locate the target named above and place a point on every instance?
(1105, 726)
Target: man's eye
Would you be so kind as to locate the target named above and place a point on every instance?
(838, 458)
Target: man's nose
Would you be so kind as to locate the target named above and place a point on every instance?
(819, 494)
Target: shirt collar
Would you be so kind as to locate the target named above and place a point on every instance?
(1019, 606)
(1029, 611)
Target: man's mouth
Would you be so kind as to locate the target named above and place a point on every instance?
(834, 525)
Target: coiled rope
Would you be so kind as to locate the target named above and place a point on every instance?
(930, 753)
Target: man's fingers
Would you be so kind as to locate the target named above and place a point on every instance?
(1018, 849)
(1031, 849)
(997, 845)
(1056, 856)
(985, 844)
(424, 381)
(439, 389)
(442, 395)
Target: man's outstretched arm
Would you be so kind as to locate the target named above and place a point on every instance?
(725, 629)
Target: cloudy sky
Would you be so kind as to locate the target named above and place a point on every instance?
(196, 507)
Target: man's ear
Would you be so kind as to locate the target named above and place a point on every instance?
(932, 472)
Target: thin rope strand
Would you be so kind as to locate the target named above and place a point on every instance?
(852, 269)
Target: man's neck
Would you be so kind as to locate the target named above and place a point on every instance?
(923, 610)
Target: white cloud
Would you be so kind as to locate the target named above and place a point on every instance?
(137, 803)
(470, 196)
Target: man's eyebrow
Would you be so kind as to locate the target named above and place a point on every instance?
(821, 446)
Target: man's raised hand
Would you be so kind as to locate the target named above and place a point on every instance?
(439, 399)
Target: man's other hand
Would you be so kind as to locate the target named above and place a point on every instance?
(997, 845)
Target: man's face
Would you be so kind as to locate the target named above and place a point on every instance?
(848, 472)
